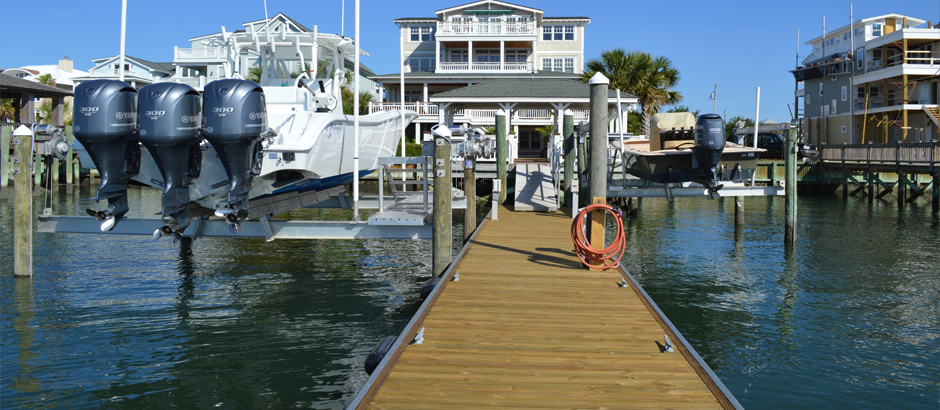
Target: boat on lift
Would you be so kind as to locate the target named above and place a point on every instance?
(685, 150)
(215, 151)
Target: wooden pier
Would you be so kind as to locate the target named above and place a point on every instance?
(524, 325)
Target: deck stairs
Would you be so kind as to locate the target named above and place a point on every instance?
(934, 114)
(535, 188)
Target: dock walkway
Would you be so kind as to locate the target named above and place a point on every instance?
(526, 326)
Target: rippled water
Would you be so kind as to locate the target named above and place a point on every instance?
(849, 319)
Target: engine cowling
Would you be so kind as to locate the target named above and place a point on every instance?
(709, 144)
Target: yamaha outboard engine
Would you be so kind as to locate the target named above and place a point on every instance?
(105, 122)
(235, 120)
(169, 128)
(709, 143)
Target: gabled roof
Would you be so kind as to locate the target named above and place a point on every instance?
(531, 89)
(300, 26)
(496, 2)
(913, 21)
(167, 68)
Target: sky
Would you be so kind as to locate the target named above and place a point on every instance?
(738, 45)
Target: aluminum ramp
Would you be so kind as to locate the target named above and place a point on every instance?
(535, 190)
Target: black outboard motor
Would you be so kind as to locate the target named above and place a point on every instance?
(105, 122)
(709, 143)
(169, 128)
(235, 120)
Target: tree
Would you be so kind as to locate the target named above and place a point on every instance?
(638, 73)
(47, 80)
(45, 113)
(7, 110)
(364, 99)
(254, 74)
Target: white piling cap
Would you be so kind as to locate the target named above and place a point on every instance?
(502, 113)
(599, 79)
(22, 131)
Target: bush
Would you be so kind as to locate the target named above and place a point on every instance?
(412, 150)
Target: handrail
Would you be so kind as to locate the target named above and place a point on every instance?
(554, 157)
(926, 153)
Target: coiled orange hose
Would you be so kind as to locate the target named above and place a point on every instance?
(609, 257)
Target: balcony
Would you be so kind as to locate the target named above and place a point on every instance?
(489, 67)
(486, 29)
(208, 54)
(479, 116)
(420, 108)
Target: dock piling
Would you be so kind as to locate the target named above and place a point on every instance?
(22, 203)
(790, 188)
(442, 237)
(597, 174)
(568, 134)
(501, 152)
(469, 187)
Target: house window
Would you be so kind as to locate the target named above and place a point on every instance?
(825, 109)
(484, 56)
(820, 89)
(860, 55)
(876, 30)
(845, 36)
(517, 56)
(845, 93)
(421, 33)
(420, 64)
(413, 96)
(459, 56)
(558, 33)
(833, 110)
(560, 65)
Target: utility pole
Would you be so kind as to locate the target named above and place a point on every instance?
(715, 100)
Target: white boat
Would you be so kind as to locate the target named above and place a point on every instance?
(294, 136)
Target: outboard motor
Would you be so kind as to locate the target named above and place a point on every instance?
(709, 143)
(235, 120)
(105, 123)
(169, 128)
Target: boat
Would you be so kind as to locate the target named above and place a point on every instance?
(237, 141)
(685, 150)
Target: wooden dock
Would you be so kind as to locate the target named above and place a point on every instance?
(526, 326)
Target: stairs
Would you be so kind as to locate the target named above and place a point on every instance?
(934, 114)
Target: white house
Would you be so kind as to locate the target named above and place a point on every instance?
(64, 75)
(446, 59)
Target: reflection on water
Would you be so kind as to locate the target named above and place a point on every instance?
(126, 322)
(847, 319)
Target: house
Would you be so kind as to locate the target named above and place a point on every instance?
(63, 74)
(137, 71)
(885, 90)
(469, 61)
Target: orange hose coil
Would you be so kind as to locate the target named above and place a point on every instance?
(609, 257)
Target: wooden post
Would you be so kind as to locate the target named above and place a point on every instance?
(22, 203)
(582, 150)
(790, 181)
(597, 175)
(441, 252)
(469, 188)
(501, 153)
(38, 168)
(568, 135)
(5, 134)
(739, 210)
(936, 192)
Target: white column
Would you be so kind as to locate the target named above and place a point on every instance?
(502, 54)
(535, 57)
(469, 54)
(425, 99)
(417, 132)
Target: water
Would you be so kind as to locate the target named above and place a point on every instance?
(848, 320)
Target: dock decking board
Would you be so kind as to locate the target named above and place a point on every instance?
(526, 326)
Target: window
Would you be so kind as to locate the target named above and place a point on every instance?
(845, 36)
(845, 93)
(558, 33)
(459, 56)
(560, 65)
(517, 56)
(833, 110)
(420, 64)
(860, 56)
(876, 30)
(484, 56)
(421, 33)
(820, 89)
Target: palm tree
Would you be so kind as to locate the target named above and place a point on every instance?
(47, 80)
(638, 73)
(7, 110)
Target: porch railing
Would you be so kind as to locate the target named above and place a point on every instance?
(450, 66)
(209, 53)
(918, 153)
(476, 28)
(420, 108)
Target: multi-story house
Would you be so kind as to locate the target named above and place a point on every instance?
(222, 55)
(63, 75)
(446, 58)
(885, 90)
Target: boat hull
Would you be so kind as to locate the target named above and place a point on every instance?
(676, 166)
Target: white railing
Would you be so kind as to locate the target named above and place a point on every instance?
(210, 53)
(554, 152)
(195, 82)
(581, 114)
(533, 114)
(420, 108)
(478, 28)
(446, 66)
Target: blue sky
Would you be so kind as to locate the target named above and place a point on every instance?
(739, 45)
